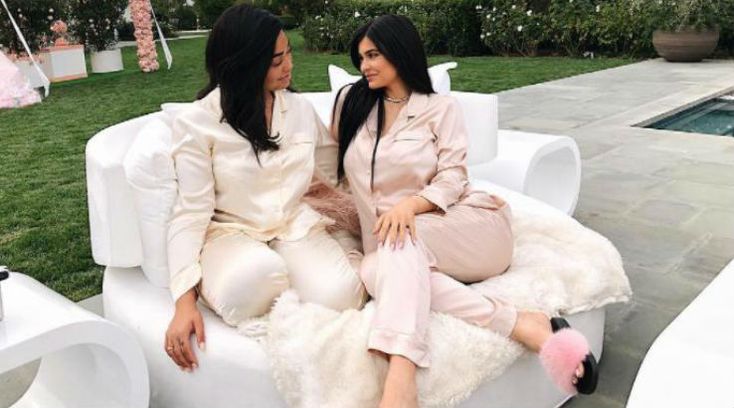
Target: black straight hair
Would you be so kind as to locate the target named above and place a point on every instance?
(397, 39)
(239, 52)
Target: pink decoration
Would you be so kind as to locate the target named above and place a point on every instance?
(60, 30)
(561, 354)
(141, 12)
(15, 91)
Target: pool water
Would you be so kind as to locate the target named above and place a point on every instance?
(714, 117)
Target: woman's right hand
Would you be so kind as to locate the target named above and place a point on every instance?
(186, 320)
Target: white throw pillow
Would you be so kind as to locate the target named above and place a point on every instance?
(171, 110)
(440, 79)
(338, 77)
(150, 171)
(481, 121)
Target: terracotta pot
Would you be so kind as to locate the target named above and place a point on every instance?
(686, 45)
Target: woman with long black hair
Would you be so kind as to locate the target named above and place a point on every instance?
(425, 232)
(245, 153)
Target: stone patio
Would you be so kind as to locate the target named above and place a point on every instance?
(663, 198)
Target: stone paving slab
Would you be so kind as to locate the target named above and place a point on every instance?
(664, 198)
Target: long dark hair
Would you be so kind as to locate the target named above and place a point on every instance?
(397, 39)
(238, 55)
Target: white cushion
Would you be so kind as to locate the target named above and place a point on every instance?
(115, 239)
(150, 171)
(480, 118)
(440, 79)
(339, 77)
(171, 110)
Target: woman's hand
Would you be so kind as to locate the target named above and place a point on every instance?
(400, 220)
(186, 320)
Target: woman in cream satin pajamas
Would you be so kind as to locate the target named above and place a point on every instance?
(240, 233)
(239, 229)
(425, 232)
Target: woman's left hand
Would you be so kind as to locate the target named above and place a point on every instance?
(393, 225)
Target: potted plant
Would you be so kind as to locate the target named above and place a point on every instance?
(94, 25)
(688, 29)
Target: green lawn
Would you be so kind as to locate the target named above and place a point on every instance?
(44, 229)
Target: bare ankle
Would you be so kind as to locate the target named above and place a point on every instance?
(531, 330)
(400, 385)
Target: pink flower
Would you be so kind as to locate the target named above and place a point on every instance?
(59, 27)
(141, 12)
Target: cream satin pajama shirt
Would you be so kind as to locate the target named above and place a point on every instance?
(239, 232)
(468, 239)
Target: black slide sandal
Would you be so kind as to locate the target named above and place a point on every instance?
(587, 383)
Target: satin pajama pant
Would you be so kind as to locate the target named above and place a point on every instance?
(241, 276)
(464, 245)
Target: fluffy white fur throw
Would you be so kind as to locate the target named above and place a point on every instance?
(319, 357)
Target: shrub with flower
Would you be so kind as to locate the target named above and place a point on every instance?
(680, 15)
(446, 26)
(625, 27)
(34, 17)
(512, 26)
(568, 27)
(571, 24)
(94, 22)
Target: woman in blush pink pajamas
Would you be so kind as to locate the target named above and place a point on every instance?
(425, 232)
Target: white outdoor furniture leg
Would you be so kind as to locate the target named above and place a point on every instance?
(86, 361)
(691, 363)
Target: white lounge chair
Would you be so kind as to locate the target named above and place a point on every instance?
(235, 368)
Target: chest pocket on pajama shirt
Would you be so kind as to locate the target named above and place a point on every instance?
(408, 150)
(411, 148)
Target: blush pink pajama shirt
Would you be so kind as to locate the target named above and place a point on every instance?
(467, 239)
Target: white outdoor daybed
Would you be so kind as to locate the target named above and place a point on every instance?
(235, 369)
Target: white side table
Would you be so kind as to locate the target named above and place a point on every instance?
(86, 361)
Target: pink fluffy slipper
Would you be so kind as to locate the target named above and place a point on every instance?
(563, 352)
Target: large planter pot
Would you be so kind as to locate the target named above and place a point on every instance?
(686, 45)
(107, 61)
(64, 63)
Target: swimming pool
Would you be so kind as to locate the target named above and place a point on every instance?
(714, 117)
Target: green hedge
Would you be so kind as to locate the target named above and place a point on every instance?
(446, 26)
(607, 27)
(525, 27)
(34, 17)
(209, 10)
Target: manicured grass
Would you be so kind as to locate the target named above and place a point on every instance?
(44, 228)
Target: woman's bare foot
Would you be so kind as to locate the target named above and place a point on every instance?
(400, 390)
(532, 330)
